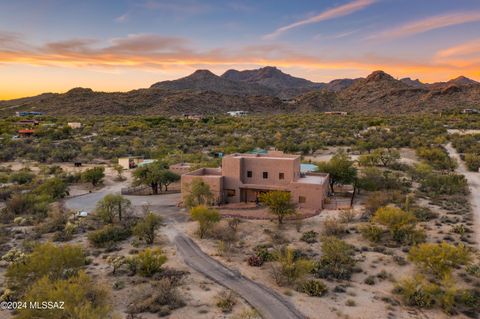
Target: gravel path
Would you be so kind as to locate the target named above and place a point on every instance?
(473, 179)
(267, 302)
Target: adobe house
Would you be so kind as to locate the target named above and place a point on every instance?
(243, 177)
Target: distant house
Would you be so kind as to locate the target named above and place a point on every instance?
(237, 113)
(243, 177)
(27, 113)
(133, 161)
(74, 125)
(180, 168)
(25, 132)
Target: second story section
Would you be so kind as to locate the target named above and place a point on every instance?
(273, 168)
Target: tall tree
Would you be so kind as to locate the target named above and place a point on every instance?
(206, 218)
(340, 168)
(94, 175)
(112, 206)
(151, 174)
(199, 193)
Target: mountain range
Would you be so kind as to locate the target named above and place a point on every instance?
(264, 90)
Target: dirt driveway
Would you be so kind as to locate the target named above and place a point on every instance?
(473, 179)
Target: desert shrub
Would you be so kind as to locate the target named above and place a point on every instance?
(444, 184)
(226, 302)
(145, 229)
(264, 253)
(380, 199)
(108, 235)
(148, 262)
(288, 267)
(21, 177)
(161, 297)
(336, 261)
(400, 224)
(206, 218)
(54, 187)
(82, 297)
(347, 216)
(45, 260)
(423, 214)
(472, 161)
(372, 233)
(332, 227)
(439, 259)
(473, 270)
(313, 288)
(309, 237)
(417, 292)
(436, 157)
(370, 280)
(255, 261)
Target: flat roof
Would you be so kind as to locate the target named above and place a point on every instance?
(271, 155)
(312, 179)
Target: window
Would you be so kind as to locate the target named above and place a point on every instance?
(249, 173)
(265, 175)
(281, 176)
(230, 192)
(302, 199)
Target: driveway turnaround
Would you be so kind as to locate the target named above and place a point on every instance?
(267, 302)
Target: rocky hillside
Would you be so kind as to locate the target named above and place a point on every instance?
(265, 90)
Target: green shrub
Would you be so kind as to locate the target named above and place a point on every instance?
(333, 227)
(309, 237)
(372, 233)
(226, 302)
(313, 288)
(439, 259)
(148, 262)
(108, 234)
(336, 261)
(45, 260)
(417, 292)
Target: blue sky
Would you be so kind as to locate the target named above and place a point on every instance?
(127, 44)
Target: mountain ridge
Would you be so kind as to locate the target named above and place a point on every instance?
(264, 90)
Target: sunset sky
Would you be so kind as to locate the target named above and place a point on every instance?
(118, 45)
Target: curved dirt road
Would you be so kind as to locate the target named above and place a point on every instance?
(473, 179)
(268, 303)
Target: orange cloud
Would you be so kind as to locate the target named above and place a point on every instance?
(148, 57)
(428, 24)
(340, 11)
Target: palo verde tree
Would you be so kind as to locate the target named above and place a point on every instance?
(340, 168)
(439, 259)
(145, 229)
(199, 193)
(112, 206)
(206, 218)
(279, 203)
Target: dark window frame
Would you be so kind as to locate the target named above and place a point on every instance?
(265, 175)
